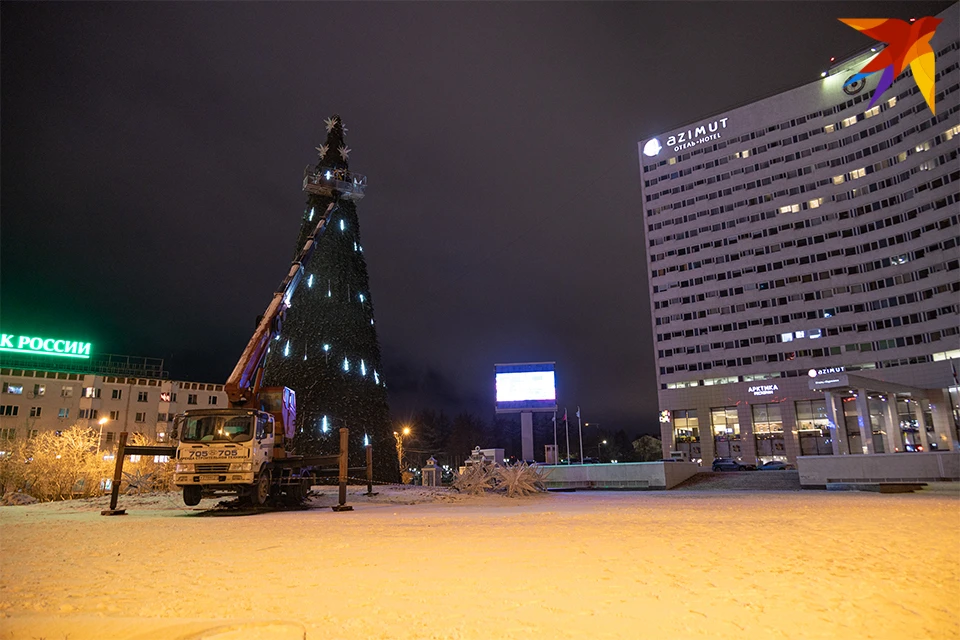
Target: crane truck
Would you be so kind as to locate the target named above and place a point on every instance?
(245, 449)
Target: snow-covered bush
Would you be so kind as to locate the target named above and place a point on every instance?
(520, 480)
(475, 479)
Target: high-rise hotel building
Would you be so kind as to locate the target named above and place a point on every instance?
(804, 269)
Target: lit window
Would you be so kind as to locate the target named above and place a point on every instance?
(15, 389)
(816, 202)
(743, 154)
(671, 160)
(858, 173)
(164, 396)
(39, 389)
(813, 334)
(950, 133)
(892, 102)
(830, 128)
(63, 413)
(923, 146)
(799, 334)
(869, 113)
(852, 120)
(786, 337)
(66, 392)
(838, 179)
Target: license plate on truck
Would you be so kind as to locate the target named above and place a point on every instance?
(205, 479)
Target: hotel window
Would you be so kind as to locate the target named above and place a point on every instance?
(686, 427)
(892, 102)
(39, 389)
(725, 422)
(848, 122)
(838, 179)
(114, 415)
(812, 416)
(63, 413)
(91, 392)
(829, 128)
(66, 392)
(116, 394)
(15, 389)
(35, 412)
(767, 420)
(869, 113)
(141, 396)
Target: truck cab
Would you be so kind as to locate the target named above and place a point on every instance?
(223, 450)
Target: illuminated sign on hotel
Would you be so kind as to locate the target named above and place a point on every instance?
(44, 346)
(813, 373)
(697, 135)
(665, 417)
(763, 389)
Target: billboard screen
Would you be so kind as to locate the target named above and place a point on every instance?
(527, 386)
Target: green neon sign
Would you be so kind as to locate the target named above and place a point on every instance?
(44, 346)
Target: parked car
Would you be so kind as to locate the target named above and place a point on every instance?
(775, 465)
(728, 464)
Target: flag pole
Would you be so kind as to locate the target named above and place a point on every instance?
(556, 451)
(580, 428)
(566, 424)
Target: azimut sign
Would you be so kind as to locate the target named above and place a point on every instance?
(11, 342)
(700, 134)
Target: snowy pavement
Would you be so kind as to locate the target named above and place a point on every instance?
(412, 563)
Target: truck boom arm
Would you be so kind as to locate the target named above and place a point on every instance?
(244, 383)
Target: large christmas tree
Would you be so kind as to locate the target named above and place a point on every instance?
(328, 351)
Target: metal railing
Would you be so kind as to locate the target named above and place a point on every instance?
(327, 181)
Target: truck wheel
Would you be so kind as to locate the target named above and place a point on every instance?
(192, 495)
(261, 490)
(297, 493)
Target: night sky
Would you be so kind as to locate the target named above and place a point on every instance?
(152, 157)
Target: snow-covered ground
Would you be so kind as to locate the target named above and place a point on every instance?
(418, 563)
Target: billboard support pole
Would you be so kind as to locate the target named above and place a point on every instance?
(566, 424)
(526, 435)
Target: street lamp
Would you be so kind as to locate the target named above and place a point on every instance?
(101, 422)
(599, 444)
(399, 437)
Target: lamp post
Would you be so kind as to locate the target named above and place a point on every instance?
(599, 444)
(399, 437)
(101, 422)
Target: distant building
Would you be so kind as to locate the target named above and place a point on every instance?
(52, 390)
(804, 269)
